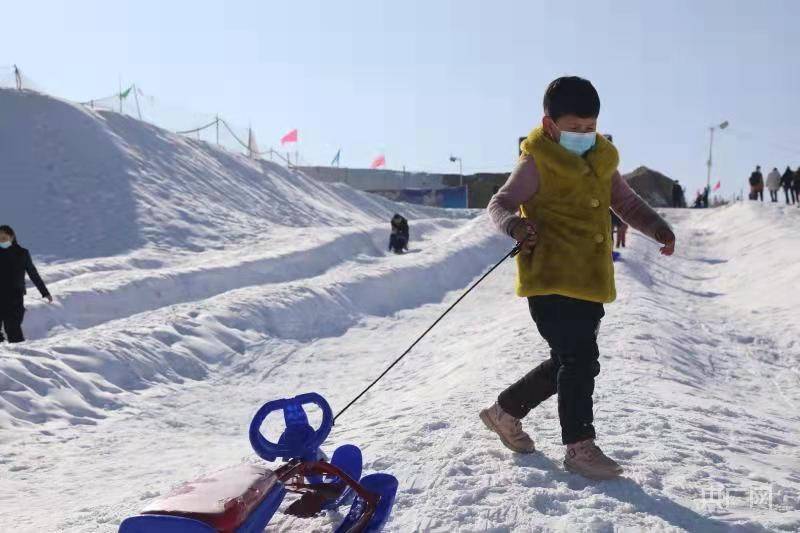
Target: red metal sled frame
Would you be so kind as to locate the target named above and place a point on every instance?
(292, 473)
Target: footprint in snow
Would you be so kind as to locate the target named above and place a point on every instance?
(435, 426)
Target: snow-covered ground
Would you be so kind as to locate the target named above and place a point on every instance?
(216, 283)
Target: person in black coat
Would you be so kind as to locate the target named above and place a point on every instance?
(756, 185)
(796, 185)
(15, 262)
(678, 199)
(398, 241)
(788, 186)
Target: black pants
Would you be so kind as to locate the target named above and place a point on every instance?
(12, 312)
(773, 195)
(398, 242)
(570, 328)
(791, 196)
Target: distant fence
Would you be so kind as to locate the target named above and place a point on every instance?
(479, 187)
(131, 100)
(452, 197)
(376, 179)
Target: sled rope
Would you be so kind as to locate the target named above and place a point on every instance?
(512, 253)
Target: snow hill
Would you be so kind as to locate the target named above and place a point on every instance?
(193, 284)
(82, 184)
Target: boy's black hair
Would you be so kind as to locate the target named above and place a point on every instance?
(571, 95)
(9, 231)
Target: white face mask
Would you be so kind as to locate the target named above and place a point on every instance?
(6, 244)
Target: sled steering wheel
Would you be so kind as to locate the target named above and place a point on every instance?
(299, 440)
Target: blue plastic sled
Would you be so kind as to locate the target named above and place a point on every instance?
(243, 498)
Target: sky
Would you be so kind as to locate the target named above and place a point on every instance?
(421, 80)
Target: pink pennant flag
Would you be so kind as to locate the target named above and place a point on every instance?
(718, 185)
(378, 162)
(290, 137)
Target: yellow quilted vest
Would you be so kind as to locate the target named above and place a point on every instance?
(571, 212)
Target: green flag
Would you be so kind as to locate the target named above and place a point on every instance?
(126, 92)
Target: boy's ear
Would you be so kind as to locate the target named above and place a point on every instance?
(550, 128)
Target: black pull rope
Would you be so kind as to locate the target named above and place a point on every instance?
(512, 253)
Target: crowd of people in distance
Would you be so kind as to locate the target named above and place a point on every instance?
(789, 181)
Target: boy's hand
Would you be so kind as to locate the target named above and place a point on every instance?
(667, 238)
(524, 232)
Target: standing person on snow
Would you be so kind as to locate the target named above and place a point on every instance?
(398, 241)
(677, 195)
(787, 182)
(563, 186)
(621, 227)
(15, 262)
(756, 184)
(796, 186)
(774, 184)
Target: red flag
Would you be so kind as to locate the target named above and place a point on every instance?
(718, 185)
(290, 137)
(378, 162)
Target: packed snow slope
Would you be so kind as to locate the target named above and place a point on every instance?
(697, 397)
(194, 284)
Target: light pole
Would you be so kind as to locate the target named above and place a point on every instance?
(453, 159)
(721, 126)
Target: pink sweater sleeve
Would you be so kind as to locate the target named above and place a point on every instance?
(519, 188)
(523, 184)
(633, 210)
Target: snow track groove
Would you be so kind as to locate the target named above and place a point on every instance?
(95, 297)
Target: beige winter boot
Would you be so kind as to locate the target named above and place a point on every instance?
(508, 428)
(587, 459)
